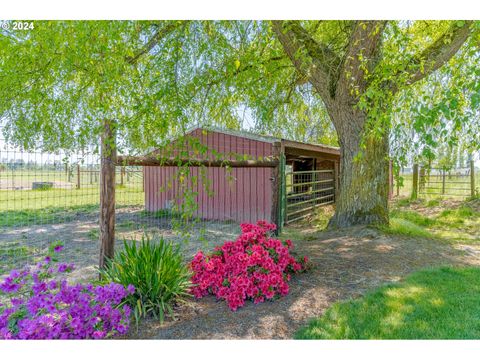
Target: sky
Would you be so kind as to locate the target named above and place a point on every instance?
(9, 153)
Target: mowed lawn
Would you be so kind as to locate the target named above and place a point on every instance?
(442, 303)
(439, 303)
(22, 207)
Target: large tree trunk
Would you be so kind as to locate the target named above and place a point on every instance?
(363, 197)
(341, 81)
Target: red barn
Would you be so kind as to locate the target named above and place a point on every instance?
(307, 177)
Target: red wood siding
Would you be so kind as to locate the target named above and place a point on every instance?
(240, 194)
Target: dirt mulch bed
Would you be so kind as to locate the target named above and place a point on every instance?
(25, 245)
(347, 264)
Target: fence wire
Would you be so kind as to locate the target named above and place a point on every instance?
(435, 182)
(48, 198)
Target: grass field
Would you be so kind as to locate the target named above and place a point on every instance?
(448, 220)
(88, 177)
(455, 186)
(430, 304)
(440, 303)
(22, 207)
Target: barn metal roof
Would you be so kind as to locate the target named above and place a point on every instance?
(263, 138)
(266, 138)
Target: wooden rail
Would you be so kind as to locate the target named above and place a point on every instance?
(155, 161)
(443, 180)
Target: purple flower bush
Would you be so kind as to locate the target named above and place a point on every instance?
(42, 305)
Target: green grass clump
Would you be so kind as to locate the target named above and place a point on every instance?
(456, 217)
(404, 202)
(162, 213)
(432, 203)
(48, 215)
(465, 211)
(413, 217)
(399, 226)
(438, 303)
(157, 270)
(126, 225)
(93, 234)
(11, 252)
(460, 213)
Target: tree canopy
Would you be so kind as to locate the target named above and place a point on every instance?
(376, 88)
(157, 78)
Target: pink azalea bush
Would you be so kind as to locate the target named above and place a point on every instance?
(41, 305)
(255, 266)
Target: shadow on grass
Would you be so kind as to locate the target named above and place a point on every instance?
(48, 215)
(438, 303)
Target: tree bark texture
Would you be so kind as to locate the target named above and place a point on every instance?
(364, 173)
(107, 193)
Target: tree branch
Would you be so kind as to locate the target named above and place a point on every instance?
(439, 52)
(246, 68)
(155, 39)
(361, 56)
(311, 59)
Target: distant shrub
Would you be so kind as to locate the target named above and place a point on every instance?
(254, 267)
(42, 186)
(157, 270)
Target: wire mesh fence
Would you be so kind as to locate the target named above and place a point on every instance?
(44, 198)
(41, 206)
(47, 198)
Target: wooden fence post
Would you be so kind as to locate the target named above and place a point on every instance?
(122, 174)
(422, 180)
(78, 176)
(390, 180)
(276, 183)
(472, 178)
(397, 183)
(415, 182)
(107, 192)
(443, 181)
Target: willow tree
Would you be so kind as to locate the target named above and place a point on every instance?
(65, 85)
(438, 113)
(353, 70)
